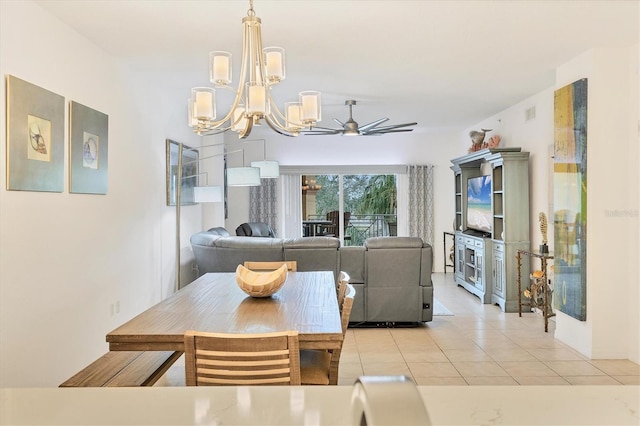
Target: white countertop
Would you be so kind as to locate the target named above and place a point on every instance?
(321, 405)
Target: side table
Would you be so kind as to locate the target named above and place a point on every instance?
(444, 250)
(546, 311)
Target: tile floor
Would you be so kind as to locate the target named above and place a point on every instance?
(478, 345)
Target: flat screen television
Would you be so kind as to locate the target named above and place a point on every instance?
(479, 216)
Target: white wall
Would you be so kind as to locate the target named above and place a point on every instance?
(610, 330)
(69, 262)
(612, 327)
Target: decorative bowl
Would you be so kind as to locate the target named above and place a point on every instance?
(260, 283)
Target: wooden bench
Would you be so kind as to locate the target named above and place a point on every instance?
(124, 368)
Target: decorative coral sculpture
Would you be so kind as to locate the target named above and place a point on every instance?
(493, 142)
(543, 226)
(543, 230)
(477, 139)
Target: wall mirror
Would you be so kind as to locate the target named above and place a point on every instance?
(189, 176)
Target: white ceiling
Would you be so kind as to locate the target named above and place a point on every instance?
(441, 63)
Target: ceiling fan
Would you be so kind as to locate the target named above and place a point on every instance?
(351, 128)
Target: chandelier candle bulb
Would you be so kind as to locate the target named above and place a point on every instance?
(204, 104)
(220, 68)
(292, 110)
(310, 102)
(256, 98)
(192, 120)
(274, 59)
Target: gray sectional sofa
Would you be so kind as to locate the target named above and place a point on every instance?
(391, 275)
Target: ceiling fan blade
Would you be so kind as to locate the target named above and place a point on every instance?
(382, 132)
(394, 126)
(372, 124)
(327, 128)
(339, 122)
(321, 132)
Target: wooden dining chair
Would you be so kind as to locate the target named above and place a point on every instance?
(333, 230)
(292, 265)
(242, 359)
(341, 288)
(318, 367)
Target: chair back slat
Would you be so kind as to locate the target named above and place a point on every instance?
(242, 359)
(341, 288)
(347, 305)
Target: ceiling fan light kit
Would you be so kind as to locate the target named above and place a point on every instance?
(261, 69)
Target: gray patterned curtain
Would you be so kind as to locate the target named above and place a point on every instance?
(263, 203)
(421, 221)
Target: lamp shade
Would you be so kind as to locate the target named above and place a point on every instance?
(268, 169)
(207, 194)
(243, 176)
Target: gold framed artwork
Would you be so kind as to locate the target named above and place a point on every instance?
(88, 150)
(35, 138)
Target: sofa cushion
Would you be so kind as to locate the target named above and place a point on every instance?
(314, 253)
(219, 231)
(393, 242)
(214, 253)
(392, 274)
(312, 243)
(249, 243)
(352, 262)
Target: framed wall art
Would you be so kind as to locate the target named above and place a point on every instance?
(570, 199)
(189, 177)
(88, 150)
(35, 138)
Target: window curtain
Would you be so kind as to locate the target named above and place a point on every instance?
(291, 205)
(263, 203)
(421, 221)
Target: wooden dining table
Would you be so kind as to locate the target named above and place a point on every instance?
(306, 303)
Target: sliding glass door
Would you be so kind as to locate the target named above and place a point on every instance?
(352, 207)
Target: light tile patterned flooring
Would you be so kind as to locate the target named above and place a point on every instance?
(478, 345)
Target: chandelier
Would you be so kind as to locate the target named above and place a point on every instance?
(261, 69)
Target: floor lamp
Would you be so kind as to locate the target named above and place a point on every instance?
(202, 194)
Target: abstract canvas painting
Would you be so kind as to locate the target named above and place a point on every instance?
(35, 138)
(570, 199)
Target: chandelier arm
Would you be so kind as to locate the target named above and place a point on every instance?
(213, 131)
(274, 113)
(247, 129)
(276, 129)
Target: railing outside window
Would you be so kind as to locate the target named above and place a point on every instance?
(363, 226)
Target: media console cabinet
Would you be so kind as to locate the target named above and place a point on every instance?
(485, 259)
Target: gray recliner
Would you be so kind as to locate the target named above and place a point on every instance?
(398, 276)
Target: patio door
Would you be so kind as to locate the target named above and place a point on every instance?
(366, 204)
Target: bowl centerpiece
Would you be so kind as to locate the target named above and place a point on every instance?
(261, 283)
